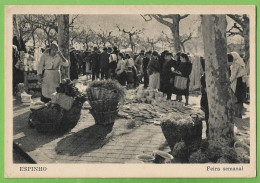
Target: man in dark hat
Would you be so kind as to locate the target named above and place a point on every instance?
(146, 60)
(113, 63)
(95, 64)
(104, 63)
(74, 65)
(138, 65)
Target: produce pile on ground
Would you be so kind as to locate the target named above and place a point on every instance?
(154, 112)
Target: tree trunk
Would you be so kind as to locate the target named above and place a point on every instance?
(131, 42)
(246, 41)
(15, 28)
(183, 47)
(176, 34)
(221, 126)
(63, 41)
(33, 39)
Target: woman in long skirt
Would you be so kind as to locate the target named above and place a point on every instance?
(154, 71)
(49, 71)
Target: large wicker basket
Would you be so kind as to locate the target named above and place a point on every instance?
(48, 119)
(104, 105)
(104, 118)
(54, 119)
(188, 132)
(99, 93)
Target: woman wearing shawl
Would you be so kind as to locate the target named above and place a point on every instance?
(49, 71)
(154, 71)
(183, 70)
(238, 75)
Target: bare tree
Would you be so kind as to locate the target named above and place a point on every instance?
(116, 41)
(30, 24)
(183, 39)
(152, 42)
(172, 21)
(240, 27)
(131, 33)
(104, 36)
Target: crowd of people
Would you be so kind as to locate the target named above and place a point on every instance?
(167, 72)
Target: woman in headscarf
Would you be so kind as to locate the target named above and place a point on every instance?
(183, 70)
(154, 71)
(238, 75)
(49, 71)
(120, 69)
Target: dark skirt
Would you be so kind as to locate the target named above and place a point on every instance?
(240, 90)
(177, 91)
(74, 73)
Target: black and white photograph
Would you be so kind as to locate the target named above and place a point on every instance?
(167, 87)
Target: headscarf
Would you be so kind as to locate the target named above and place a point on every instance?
(237, 72)
(237, 59)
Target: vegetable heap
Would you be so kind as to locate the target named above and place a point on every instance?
(66, 86)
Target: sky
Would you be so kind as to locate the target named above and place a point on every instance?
(152, 28)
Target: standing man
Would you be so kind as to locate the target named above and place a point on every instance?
(74, 65)
(146, 61)
(138, 65)
(95, 64)
(104, 63)
(113, 63)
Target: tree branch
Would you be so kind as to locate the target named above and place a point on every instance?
(73, 19)
(187, 39)
(237, 18)
(146, 15)
(161, 20)
(184, 16)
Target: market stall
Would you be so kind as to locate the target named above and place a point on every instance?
(30, 64)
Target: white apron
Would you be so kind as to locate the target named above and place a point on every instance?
(154, 80)
(51, 81)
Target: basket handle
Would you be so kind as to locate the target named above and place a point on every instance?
(194, 114)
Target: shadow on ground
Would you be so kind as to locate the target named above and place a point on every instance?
(29, 138)
(93, 137)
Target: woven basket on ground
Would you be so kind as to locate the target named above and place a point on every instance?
(54, 119)
(48, 119)
(99, 93)
(188, 132)
(104, 105)
(104, 118)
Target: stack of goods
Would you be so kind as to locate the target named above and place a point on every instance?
(182, 133)
(149, 96)
(104, 97)
(26, 98)
(19, 90)
(63, 112)
(37, 57)
(33, 85)
(29, 64)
